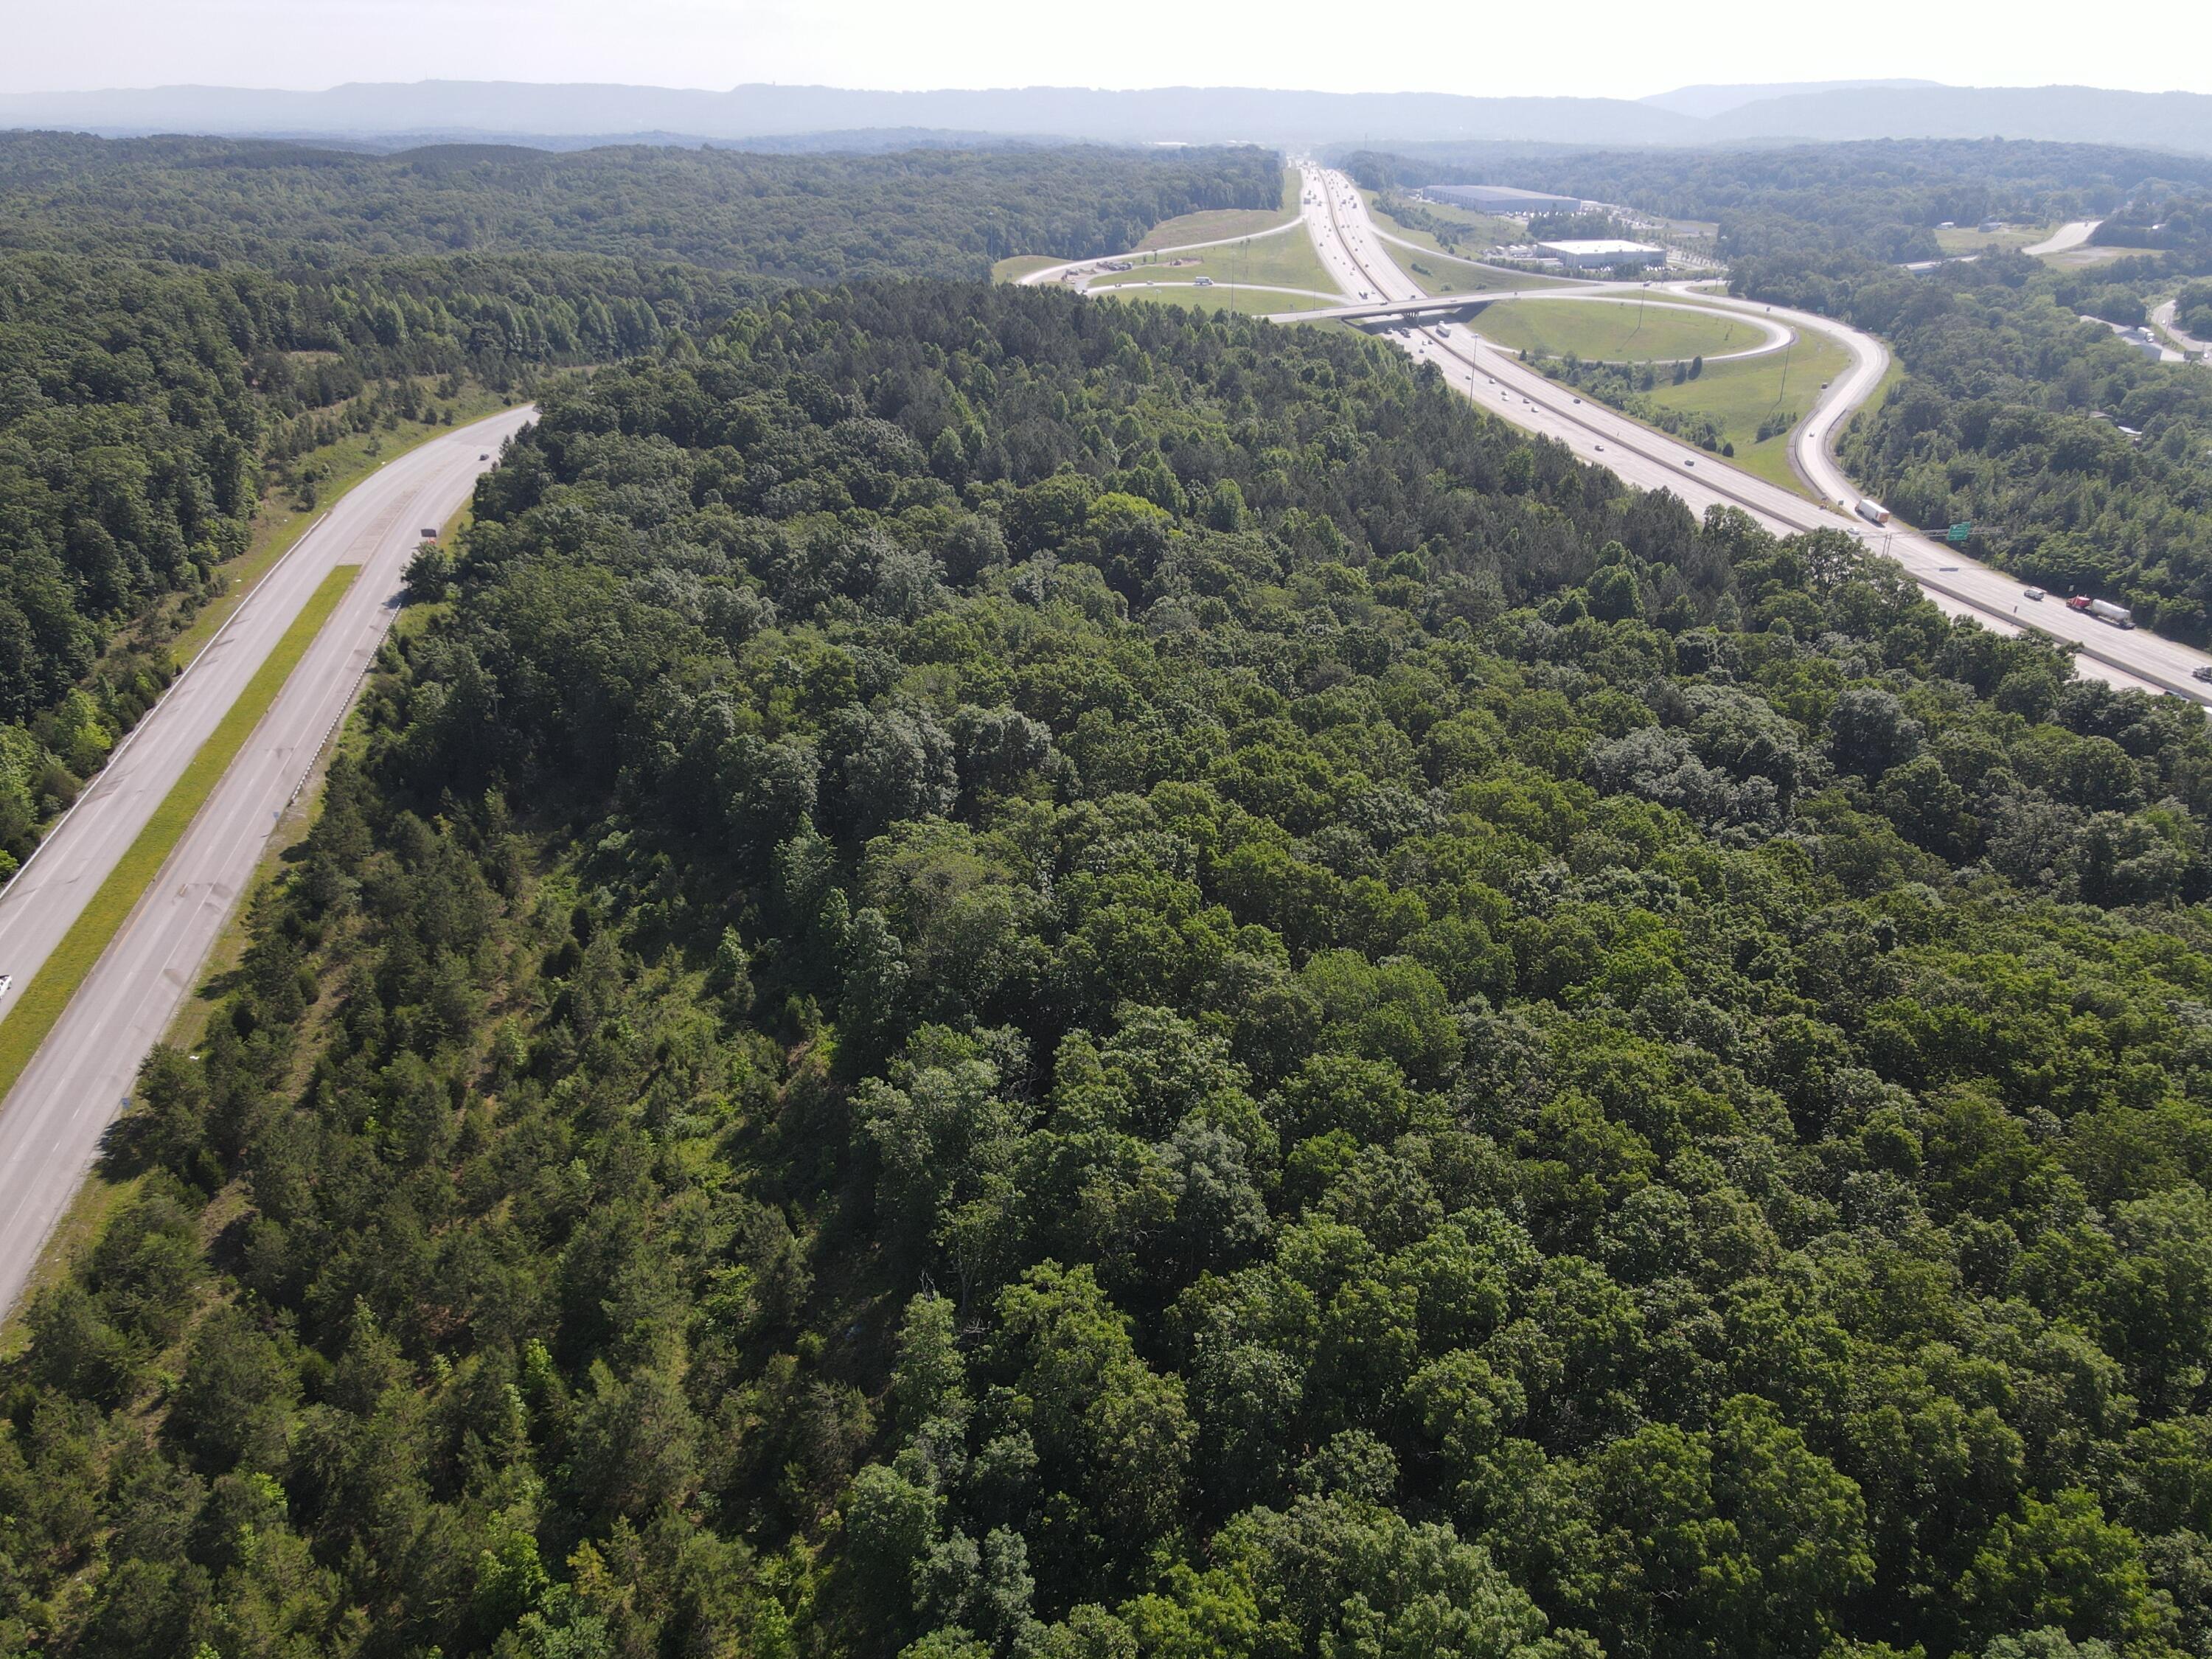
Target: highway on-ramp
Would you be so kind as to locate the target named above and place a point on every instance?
(1355, 256)
(2164, 316)
(81, 1076)
(2071, 234)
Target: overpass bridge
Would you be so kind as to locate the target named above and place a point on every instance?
(1380, 315)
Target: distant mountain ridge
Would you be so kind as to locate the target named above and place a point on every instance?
(1703, 102)
(376, 113)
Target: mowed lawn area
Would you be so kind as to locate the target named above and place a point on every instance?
(1604, 330)
(1013, 270)
(1741, 395)
(1488, 226)
(1964, 238)
(1440, 273)
(1218, 224)
(1285, 259)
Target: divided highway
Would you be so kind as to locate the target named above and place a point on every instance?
(1354, 253)
(51, 1122)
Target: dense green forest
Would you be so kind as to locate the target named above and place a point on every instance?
(2083, 465)
(1010, 978)
(791, 218)
(181, 319)
(145, 407)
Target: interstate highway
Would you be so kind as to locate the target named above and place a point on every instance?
(1358, 258)
(82, 1074)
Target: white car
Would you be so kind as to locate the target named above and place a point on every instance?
(6, 980)
(2035, 594)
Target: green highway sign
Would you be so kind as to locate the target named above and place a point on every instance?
(1959, 532)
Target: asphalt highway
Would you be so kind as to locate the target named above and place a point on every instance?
(2163, 315)
(1356, 256)
(81, 1076)
(2072, 234)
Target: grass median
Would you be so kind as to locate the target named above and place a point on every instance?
(41, 1003)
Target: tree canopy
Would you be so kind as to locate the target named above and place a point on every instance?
(182, 320)
(1013, 978)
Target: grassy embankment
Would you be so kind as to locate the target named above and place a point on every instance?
(1616, 331)
(1210, 225)
(1486, 229)
(1013, 270)
(1740, 395)
(1964, 238)
(2089, 253)
(1218, 224)
(1439, 271)
(47, 996)
(1285, 259)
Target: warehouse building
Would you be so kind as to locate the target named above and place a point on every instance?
(1502, 198)
(1602, 255)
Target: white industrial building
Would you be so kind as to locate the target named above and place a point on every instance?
(1602, 255)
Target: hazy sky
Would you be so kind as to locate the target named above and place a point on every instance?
(1617, 48)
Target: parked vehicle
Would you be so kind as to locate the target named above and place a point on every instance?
(1874, 512)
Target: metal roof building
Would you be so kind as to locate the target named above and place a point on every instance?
(1602, 255)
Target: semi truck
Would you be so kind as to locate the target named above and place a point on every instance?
(1874, 512)
(2103, 609)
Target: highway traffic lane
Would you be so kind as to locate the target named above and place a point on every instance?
(38, 906)
(84, 1073)
(2130, 658)
(2070, 234)
(2164, 316)
(1957, 584)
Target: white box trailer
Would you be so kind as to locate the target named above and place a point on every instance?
(1874, 512)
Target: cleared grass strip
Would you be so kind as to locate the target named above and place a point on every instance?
(43, 1000)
